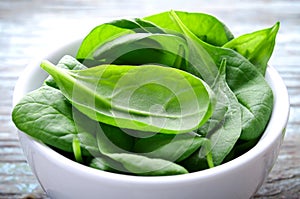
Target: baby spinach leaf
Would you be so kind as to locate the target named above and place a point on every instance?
(201, 159)
(166, 49)
(195, 162)
(252, 91)
(141, 165)
(50, 114)
(148, 26)
(162, 99)
(83, 124)
(224, 127)
(114, 140)
(46, 110)
(169, 147)
(102, 164)
(241, 147)
(112, 30)
(101, 34)
(257, 47)
(124, 161)
(136, 48)
(67, 62)
(204, 26)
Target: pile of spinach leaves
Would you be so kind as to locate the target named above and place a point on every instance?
(168, 94)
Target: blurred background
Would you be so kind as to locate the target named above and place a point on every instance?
(31, 28)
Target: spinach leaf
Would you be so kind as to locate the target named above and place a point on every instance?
(162, 99)
(135, 49)
(50, 114)
(169, 147)
(252, 91)
(102, 164)
(241, 147)
(114, 139)
(148, 26)
(257, 47)
(166, 49)
(201, 159)
(112, 30)
(124, 161)
(141, 165)
(225, 126)
(67, 62)
(195, 162)
(204, 26)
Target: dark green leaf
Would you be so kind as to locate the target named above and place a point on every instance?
(113, 139)
(47, 115)
(135, 49)
(169, 147)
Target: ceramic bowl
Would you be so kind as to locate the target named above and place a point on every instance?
(240, 178)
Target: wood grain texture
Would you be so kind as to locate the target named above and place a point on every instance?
(30, 29)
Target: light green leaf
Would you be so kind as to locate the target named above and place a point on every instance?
(161, 99)
(141, 165)
(225, 126)
(257, 47)
(251, 89)
(206, 27)
(112, 30)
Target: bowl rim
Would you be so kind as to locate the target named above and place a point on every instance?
(277, 123)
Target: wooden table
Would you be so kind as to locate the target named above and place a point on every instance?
(29, 29)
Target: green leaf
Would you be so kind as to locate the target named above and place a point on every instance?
(101, 164)
(174, 148)
(162, 99)
(112, 30)
(201, 63)
(135, 49)
(257, 47)
(47, 115)
(206, 27)
(67, 62)
(201, 159)
(123, 161)
(225, 126)
(165, 49)
(113, 139)
(252, 91)
(45, 110)
(195, 162)
(145, 166)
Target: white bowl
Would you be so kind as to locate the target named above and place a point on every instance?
(240, 178)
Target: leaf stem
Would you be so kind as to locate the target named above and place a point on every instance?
(77, 149)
